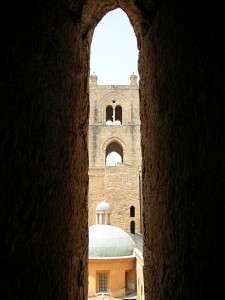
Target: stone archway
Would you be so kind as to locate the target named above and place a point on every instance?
(139, 23)
(44, 161)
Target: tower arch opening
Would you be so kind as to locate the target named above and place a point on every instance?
(118, 115)
(109, 115)
(113, 154)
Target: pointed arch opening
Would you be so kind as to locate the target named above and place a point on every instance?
(113, 154)
(118, 115)
(109, 115)
(114, 51)
(119, 144)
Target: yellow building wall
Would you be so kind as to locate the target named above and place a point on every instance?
(116, 269)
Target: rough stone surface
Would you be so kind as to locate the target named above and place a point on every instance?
(44, 165)
(44, 108)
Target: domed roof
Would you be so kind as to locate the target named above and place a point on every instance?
(109, 241)
(103, 206)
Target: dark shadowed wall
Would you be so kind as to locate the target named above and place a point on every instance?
(44, 117)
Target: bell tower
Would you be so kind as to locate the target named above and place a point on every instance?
(114, 152)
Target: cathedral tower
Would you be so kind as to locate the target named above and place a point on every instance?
(114, 152)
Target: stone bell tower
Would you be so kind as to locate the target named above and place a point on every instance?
(114, 152)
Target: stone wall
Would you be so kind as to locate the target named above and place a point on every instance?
(118, 184)
(44, 165)
(120, 187)
(44, 122)
(100, 134)
(183, 152)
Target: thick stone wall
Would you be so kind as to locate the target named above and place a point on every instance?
(183, 152)
(44, 116)
(44, 111)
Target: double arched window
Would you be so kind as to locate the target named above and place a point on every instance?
(114, 154)
(114, 115)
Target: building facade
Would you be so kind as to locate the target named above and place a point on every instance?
(114, 152)
(112, 261)
(115, 177)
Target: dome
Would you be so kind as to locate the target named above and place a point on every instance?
(109, 241)
(103, 206)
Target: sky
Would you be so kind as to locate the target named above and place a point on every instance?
(114, 53)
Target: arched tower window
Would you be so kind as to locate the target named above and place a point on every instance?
(109, 115)
(118, 115)
(113, 114)
(132, 211)
(114, 154)
(132, 227)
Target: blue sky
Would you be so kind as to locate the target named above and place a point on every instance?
(114, 52)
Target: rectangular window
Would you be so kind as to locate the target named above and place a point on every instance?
(103, 282)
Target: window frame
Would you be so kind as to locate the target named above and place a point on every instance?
(103, 282)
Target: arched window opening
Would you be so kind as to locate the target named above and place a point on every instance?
(114, 154)
(109, 115)
(113, 159)
(132, 211)
(132, 227)
(118, 115)
(114, 62)
(111, 98)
